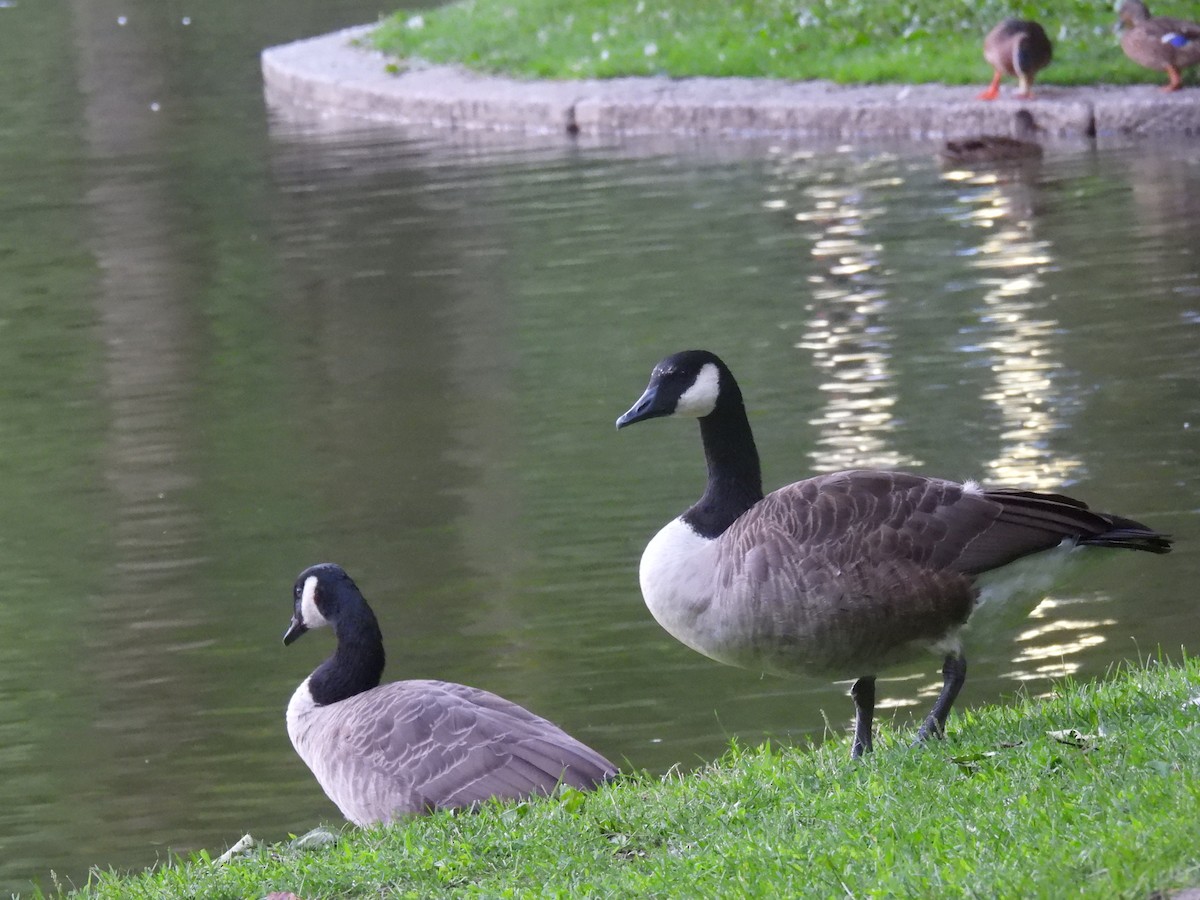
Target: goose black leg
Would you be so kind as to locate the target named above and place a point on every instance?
(863, 693)
(954, 673)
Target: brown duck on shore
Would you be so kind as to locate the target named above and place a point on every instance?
(993, 148)
(1016, 47)
(1159, 42)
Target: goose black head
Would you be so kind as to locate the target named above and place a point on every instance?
(317, 598)
(684, 384)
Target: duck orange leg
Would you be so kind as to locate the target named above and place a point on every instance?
(993, 89)
(1175, 82)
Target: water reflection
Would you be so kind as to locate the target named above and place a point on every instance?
(1163, 195)
(137, 625)
(847, 327)
(1016, 336)
(1055, 647)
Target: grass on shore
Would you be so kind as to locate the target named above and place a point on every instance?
(1090, 793)
(849, 41)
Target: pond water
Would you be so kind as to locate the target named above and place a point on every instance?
(237, 345)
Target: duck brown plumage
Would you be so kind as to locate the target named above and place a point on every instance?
(1020, 49)
(1159, 42)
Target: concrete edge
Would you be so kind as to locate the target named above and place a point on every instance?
(334, 77)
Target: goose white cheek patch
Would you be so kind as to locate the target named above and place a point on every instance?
(308, 604)
(701, 398)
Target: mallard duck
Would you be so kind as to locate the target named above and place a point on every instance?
(1016, 47)
(990, 148)
(1159, 42)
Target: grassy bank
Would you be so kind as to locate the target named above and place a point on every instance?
(853, 41)
(1090, 793)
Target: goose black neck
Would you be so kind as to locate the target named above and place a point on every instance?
(356, 664)
(734, 475)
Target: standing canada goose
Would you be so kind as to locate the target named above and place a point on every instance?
(1016, 47)
(1159, 42)
(995, 148)
(839, 575)
(412, 747)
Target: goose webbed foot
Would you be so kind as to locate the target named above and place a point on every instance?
(863, 693)
(954, 673)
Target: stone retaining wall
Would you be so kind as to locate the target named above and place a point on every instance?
(332, 75)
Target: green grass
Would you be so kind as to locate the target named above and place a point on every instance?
(1012, 804)
(844, 40)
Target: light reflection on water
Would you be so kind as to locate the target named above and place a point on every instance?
(845, 326)
(1059, 655)
(1016, 333)
(848, 333)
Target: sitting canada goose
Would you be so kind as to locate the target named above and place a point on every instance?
(412, 747)
(838, 575)
(1159, 42)
(995, 148)
(1019, 48)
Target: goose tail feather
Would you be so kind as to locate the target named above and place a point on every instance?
(1073, 518)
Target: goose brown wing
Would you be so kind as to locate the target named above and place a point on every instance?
(841, 570)
(866, 518)
(433, 745)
